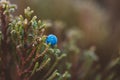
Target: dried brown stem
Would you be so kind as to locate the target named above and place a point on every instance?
(28, 70)
(5, 57)
(20, 53)
(30, 56)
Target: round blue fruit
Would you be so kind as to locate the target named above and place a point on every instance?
(51, 39)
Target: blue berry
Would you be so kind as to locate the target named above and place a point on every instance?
(51, 39)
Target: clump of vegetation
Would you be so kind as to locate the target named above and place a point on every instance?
(86, 64)
(25, 51)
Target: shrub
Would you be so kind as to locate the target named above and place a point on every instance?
(24, 53)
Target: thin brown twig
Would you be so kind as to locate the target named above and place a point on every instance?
(30, 56)
(20, 53)
(35, 60)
